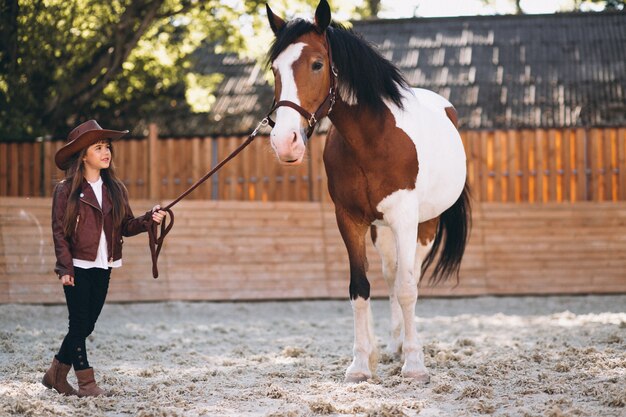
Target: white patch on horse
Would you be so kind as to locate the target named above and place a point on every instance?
(400, 213)
(365, 350)
(386, 246)
(289, 90)
(440, 152)
(347, 94)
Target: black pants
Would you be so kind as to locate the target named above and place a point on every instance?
(84, 304)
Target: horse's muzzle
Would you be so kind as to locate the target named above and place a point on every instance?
(289, 146)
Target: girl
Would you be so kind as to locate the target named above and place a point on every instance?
(90, 215)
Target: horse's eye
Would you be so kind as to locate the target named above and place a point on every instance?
(317, 65)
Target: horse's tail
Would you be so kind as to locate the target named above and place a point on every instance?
(450, 240)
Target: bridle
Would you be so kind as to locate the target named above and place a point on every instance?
(156, 239)
(324, 109)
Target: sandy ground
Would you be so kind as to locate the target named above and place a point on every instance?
(526, 356)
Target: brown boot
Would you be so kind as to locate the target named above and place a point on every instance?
(56, 377)
(87, 386)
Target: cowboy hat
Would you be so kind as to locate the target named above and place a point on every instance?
(82, 137)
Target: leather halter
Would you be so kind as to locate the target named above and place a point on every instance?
(324, 109)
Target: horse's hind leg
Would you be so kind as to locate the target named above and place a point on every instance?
(385, 244)
(365, 350)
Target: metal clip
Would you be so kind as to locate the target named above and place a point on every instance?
(312, 121)
(261, 124)
(332, 100)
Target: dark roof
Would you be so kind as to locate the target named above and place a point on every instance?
(517, 71)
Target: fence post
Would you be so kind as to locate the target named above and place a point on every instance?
(153, 162)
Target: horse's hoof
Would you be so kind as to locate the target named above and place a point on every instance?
(417, 376)
(356, 378)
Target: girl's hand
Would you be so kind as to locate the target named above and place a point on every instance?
(158, 215)
(67, 280)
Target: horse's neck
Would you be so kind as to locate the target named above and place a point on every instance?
(360, 128)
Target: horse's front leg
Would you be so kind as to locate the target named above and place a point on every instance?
(404, 226)
(365, 350)
(385, 243)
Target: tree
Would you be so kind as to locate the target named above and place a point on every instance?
(72, 59)
(369, 8)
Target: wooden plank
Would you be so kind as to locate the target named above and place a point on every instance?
(14, 170)
(25, 151)
(553, 161)
(525, 166)
(540, 166)
(498, 166)
(513, 167)
(47, 169)
(568, 160)
(474, 164)
(178, 166)
(610, 162)
(4, 168)
(582, 177)
(143, 181)
(197, 168)
(485, 166)
(248, 167)
(154, 179)
(621, 161)
(595, 164)
(207, 155)
(130, 171)
(37, 169)
(172, 172)
(316, 149)
(226, 174)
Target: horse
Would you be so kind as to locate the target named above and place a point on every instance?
(395, 165)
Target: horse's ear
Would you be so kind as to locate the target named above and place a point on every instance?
(322, 16)
(276, 23)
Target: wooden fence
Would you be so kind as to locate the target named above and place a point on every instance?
(516, 166)
(230, 250)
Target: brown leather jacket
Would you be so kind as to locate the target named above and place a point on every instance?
(86, 237)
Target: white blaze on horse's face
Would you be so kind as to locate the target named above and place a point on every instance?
(288, 135)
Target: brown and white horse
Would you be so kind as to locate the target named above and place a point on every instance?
(395, 163)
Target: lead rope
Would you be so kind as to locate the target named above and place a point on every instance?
(155, 240)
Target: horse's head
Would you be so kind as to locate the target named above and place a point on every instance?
(304, 83)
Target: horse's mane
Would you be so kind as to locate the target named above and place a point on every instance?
(363, 71)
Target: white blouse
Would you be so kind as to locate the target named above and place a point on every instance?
(102, 257)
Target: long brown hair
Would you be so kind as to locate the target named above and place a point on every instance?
(75, 175)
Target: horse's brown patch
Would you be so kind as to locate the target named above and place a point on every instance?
(453, 116)
(427, 230)
(376, 160)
